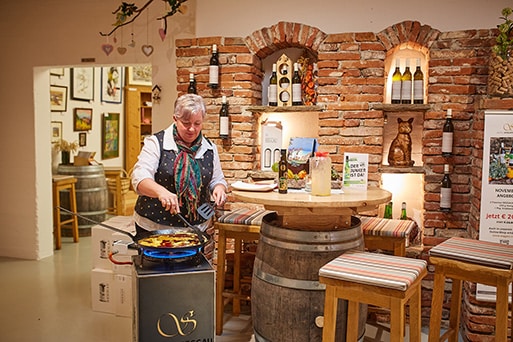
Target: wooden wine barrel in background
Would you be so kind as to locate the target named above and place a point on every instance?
(92, 194)
(286, 296)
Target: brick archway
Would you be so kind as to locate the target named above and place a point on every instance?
(282, 35)
(419, 37)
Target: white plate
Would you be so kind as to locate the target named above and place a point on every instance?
(239, 185)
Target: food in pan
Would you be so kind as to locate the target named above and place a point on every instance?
(171, 240)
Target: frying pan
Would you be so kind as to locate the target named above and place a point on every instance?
(203, 237)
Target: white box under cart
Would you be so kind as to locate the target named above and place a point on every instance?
(173, 302)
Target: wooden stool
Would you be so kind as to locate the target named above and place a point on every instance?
(477, 261)
(118, 184)
(386, 234)
(64, 183)
(241, 224)
(383, 280)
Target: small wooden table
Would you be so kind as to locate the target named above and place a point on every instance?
(300, 209)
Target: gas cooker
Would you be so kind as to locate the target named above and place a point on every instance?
(155, 263)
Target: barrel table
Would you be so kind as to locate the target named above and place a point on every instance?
(305, 233)
(92, 194)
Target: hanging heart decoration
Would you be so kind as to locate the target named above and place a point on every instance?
(147, 50)
(107, 48)
(162, 34)
(121, 50)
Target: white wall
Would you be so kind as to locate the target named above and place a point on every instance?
(36, 34)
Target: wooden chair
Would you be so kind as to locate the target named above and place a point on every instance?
(61, 183)
(477, 261)
(387, 234)
(383, 280)
(239, 225)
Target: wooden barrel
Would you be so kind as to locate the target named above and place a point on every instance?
(286, 296)
(92, 194)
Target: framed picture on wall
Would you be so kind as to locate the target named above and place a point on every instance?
(82, 84)
(140, 75)
(112, 82)
(58, 98)
(82, 119)
(110, 136)
(82, 139)
(56, 131)
(57, 72)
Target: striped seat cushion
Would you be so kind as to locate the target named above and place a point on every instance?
(244, 216)
(374, 269)
(475, 251)
(378, 226)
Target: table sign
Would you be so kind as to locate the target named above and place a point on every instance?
(356, 170)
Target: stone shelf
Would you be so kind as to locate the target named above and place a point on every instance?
(284, 109)
(387, 107)
(395, 169)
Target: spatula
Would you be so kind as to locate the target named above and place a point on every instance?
(206, 210)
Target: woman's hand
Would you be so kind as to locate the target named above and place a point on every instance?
(219, 195)
(169, 202)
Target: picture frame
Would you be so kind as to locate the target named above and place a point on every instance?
(57, 72)
(112, 82)
(58, 98)
(110, 135)
(82, 119)
(82, 84)
(140, 75)
(82, 139)
(56, 131)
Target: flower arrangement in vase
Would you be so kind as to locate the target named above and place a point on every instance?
(66, 147)
(500, 75)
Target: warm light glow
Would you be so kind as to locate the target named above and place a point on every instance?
(294, 124)
(409, 188)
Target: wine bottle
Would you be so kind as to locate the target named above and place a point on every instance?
(192, 84)
(418, 84)
(296, 87)
(403, 211)
(396, 83)
(273, 88)
(447, 134)
(213, 69)
(406, 80)
(224, 121)
(446, 191)
(388, 210)
(282, 173)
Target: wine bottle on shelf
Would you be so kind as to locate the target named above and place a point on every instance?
(282, 173)
(403, 211)
(406, 80)
(272, 94)
(388, 210)
(418, 84)
(296, 87)
(192, 84)
(224, 120)
(213, 69)
(447, 135)
(446, 191)
(396, 83)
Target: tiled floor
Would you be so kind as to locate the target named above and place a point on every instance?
(50, 300)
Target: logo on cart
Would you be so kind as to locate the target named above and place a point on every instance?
(170, 325)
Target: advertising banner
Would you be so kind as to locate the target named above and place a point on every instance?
(496, 217)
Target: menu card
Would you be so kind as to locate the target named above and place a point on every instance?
(356, 170)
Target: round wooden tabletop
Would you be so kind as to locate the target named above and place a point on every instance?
(299, 208)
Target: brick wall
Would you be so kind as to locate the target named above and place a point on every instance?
(351, 81)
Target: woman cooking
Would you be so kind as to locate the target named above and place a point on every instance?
(177, 170)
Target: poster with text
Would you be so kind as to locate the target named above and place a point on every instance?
(496, 217)
(356, 170)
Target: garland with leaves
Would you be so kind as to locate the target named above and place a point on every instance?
(127, 13)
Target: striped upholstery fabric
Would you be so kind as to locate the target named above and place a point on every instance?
(244, 216)
(386, 227)
(475, 251)
(374, 269)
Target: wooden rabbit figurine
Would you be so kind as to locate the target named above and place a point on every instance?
(400, 148)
